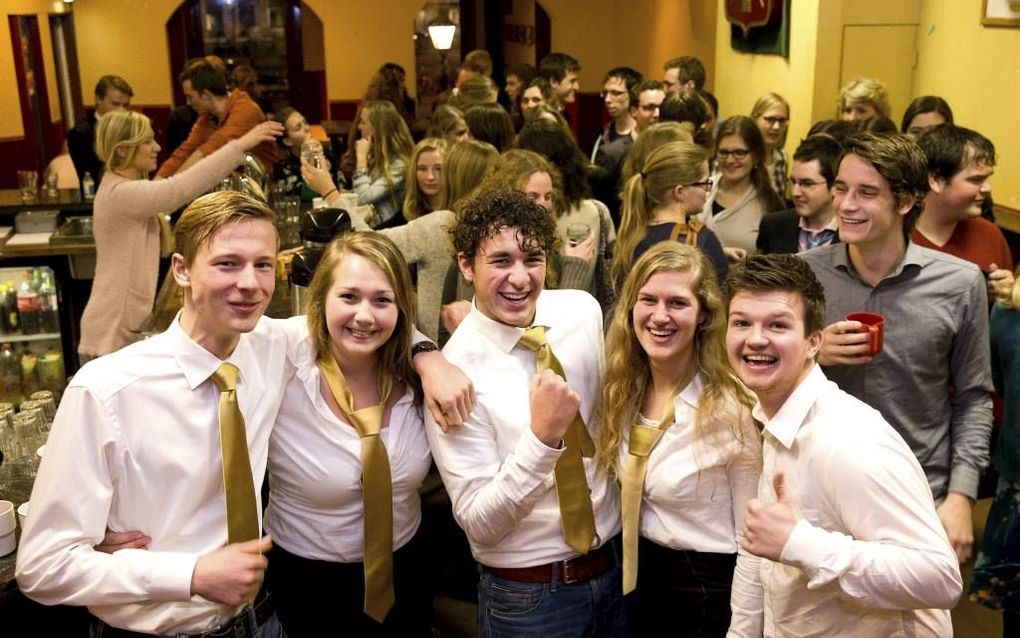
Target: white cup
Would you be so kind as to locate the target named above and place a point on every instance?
(8, 543)
(22, 514)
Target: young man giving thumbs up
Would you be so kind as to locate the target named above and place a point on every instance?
(844, 523)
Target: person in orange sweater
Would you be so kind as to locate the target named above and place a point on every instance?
(222, 117)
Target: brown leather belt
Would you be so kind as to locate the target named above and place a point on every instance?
(244, 625)
(573, 570)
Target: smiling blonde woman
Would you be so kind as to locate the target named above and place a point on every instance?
(128, 223)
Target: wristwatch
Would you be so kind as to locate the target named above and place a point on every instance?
(423, 346)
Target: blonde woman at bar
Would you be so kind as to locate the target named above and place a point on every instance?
(128, 223)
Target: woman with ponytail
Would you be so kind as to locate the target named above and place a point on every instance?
(658, 204)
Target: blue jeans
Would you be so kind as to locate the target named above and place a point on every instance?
(511, 609)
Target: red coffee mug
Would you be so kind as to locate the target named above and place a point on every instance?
(874, 325)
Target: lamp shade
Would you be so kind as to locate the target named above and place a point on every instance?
(442, 35)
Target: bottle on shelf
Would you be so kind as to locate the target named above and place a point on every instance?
(5, 325)
(10, 376)
(9, 305)
(29, 372)
(49, 320)
(88, 187)
(51, 372)
(28, 306)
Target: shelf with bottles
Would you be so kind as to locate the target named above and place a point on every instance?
(29, 308)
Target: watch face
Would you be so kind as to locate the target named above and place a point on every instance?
(423, 346)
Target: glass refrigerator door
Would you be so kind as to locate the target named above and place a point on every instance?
(31, 354)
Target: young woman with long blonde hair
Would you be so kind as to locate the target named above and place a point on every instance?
(425, 173)
(360, 324)
(381, 156)
(667, 375)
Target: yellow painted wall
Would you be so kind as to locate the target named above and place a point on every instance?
(642, 34)
(359, 37)
(975, 68)
(125, 38)
(742, 78)
(10, 105)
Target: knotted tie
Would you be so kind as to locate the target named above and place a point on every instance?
(643, 439)
(376, 486)
(242, 508)
(572, 491)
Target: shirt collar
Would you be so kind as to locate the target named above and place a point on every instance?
(791, 416)
(912, 256)
(691, 392)
(198, 364)
(833, 226)
(505, 337)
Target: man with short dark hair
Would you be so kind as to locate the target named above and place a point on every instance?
(222, 116)
(112, 93)
(517, 78)
(560, 71)
(960, 164)
(616, 96)
(685, 72)
(812, 221)
(542, 521)
(645, 98)
(844, 522)
(932, 378)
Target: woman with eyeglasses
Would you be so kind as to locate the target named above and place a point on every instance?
(742, 193)
(659, 203)
(772, 115)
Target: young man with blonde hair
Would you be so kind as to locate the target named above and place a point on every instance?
(162, 447)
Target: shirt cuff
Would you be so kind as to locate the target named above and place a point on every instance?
(807, 549)
(964, 479)
(537, 457)
(171, 574)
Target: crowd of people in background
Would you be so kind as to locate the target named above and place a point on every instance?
(656, 404)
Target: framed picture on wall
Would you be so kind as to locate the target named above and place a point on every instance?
(1001, 13)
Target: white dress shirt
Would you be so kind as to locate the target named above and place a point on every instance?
(498, 474)
(869, 557)
(136, 446)
(696, 492)
(316, 502)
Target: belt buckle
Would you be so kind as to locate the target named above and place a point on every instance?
(245, 625)
(567, 574)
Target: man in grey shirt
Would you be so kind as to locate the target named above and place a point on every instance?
(932, 379)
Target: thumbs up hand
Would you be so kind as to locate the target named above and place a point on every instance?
(768, 526)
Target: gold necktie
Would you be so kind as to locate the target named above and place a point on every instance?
(242, 508)
(643, 439)
(376, 485)
(571, 483)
